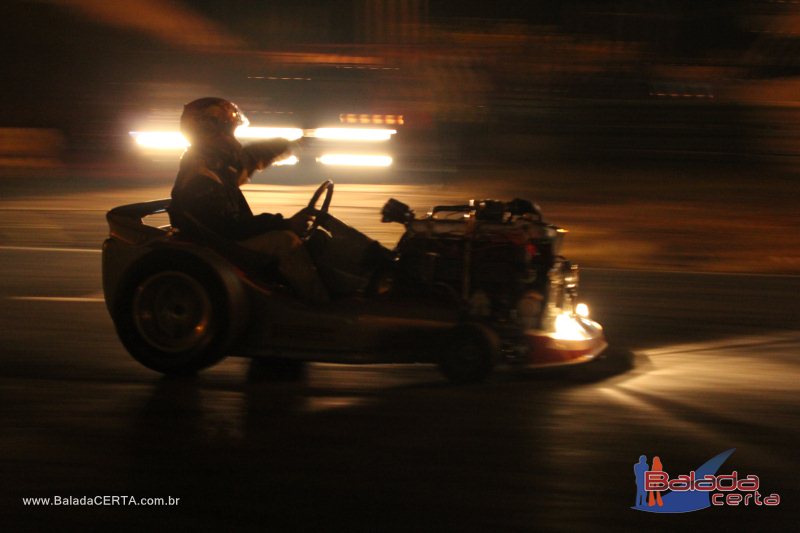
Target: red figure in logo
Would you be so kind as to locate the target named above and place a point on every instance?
(655, 496)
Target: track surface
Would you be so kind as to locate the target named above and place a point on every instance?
(714, 366)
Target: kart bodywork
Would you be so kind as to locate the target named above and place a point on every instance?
(467, 287)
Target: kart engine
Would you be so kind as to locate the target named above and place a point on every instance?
(499, 259)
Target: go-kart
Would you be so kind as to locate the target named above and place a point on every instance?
(467, 287)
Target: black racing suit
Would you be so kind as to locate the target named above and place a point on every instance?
(207, 189)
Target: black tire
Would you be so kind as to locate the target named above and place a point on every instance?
(171, 315)
(468, 356)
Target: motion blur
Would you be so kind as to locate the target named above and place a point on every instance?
(663, 135)
(672, 116)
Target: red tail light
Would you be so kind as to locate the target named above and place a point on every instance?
(531, 250)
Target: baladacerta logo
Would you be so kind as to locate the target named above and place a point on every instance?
(657, 492)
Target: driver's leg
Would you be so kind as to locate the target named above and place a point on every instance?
(294, 263)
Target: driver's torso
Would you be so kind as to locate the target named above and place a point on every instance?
(207, 190)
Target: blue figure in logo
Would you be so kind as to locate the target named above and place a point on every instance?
(639, 469)
(684, 501)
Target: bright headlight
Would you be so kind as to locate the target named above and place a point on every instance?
(569, 329)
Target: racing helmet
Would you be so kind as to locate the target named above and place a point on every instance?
(209, 118)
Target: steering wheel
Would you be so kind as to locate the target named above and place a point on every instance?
(315, 215)
(327, 188)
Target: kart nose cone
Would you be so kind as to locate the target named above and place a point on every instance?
(574, 339)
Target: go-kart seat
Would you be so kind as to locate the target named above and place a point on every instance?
(192, 230)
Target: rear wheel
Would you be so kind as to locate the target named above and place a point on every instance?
(468, 356)
(172, 317)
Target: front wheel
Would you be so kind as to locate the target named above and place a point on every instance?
(172, 318)
(468, 356)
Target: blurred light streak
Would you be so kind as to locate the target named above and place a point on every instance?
(352, 134)
(171, 22)
(49, 249)
(174, 140)
(722, 344)
(254, 132)
(355, 118)
(291, 160)
(160, 140)
(329, 403)
(319, 58)
(355, 160)
(69, 299)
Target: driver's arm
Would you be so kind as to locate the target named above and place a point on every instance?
(259, 155)
(262, 223)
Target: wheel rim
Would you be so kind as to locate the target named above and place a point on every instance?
(173, 312)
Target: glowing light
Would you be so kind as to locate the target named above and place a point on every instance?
(160, 140)
(569, 329)
(253, 132)
(354, 118)
(174, 140)
(354, 160)
(291, 160)
(353, 134)
(582, 310)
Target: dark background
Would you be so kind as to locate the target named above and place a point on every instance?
(664, 135)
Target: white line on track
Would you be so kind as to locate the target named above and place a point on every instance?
(690, 272)
(778, 337)
(54, 209)
(590, 269)
(71, 299)
(49, 249)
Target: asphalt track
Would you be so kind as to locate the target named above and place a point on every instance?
(699, 364)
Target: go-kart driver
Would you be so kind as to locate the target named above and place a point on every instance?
(207, 188)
